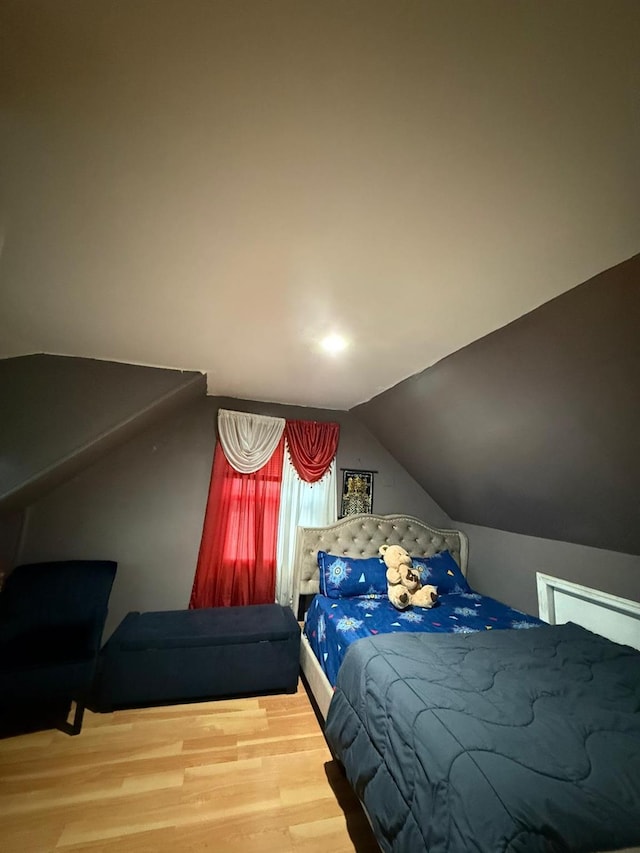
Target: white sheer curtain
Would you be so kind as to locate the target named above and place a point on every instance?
(248, 441)
(312, 504)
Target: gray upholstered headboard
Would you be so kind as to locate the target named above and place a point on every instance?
(361, 536)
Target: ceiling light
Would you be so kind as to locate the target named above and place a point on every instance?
(333, 343)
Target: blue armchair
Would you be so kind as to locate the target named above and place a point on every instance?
(52, 617)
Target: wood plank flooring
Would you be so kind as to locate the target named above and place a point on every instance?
(237, 775)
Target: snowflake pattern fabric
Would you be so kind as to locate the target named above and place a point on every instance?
(442, 571)
(368, 604)
(322, 628)
(339, 571)
(411, 616)
(347, 577)
(348, 623)
(464, 629)
(333, 623)
(464, 611)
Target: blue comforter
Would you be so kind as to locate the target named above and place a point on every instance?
(511, 741)
(332, 625)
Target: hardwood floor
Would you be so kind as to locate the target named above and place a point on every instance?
(238, 775)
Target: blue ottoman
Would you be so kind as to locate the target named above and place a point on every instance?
(189, 655)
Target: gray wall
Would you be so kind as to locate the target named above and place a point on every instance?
(59, 414)
(143, 503)
(533, 428)
(504, 565)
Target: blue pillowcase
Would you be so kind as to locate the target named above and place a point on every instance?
(443, 572)
(349, 577)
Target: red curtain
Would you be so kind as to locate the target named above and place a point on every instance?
(312, 447)
(237, 559)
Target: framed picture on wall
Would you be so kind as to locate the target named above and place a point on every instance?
(357, 492)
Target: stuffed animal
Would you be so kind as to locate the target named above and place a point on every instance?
(398, 563)
(398, 596)
(403, 583)
(426, 596)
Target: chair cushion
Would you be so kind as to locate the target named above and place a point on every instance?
(39, 647)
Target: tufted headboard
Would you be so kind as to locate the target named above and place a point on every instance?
(361, 536)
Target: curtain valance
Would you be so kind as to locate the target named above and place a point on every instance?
(312, 447)
(248, 441)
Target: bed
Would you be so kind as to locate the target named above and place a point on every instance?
(360, 536)
(488, 740)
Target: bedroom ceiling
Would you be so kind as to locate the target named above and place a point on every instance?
(216, 186)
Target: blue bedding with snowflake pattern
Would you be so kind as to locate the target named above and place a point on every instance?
(332, 625)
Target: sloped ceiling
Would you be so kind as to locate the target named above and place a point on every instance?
(535, 428)
(60, 414)
(213, 186)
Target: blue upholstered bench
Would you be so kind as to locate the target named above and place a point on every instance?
(189, 655)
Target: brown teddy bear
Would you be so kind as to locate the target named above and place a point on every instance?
(403, 582)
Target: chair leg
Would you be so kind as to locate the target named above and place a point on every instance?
(77, 718)
(75, 727)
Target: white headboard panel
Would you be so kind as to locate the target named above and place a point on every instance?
(361, 536)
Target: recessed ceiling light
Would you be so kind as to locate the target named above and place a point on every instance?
(333, 343)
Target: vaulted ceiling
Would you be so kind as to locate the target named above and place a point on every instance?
(214, 186)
